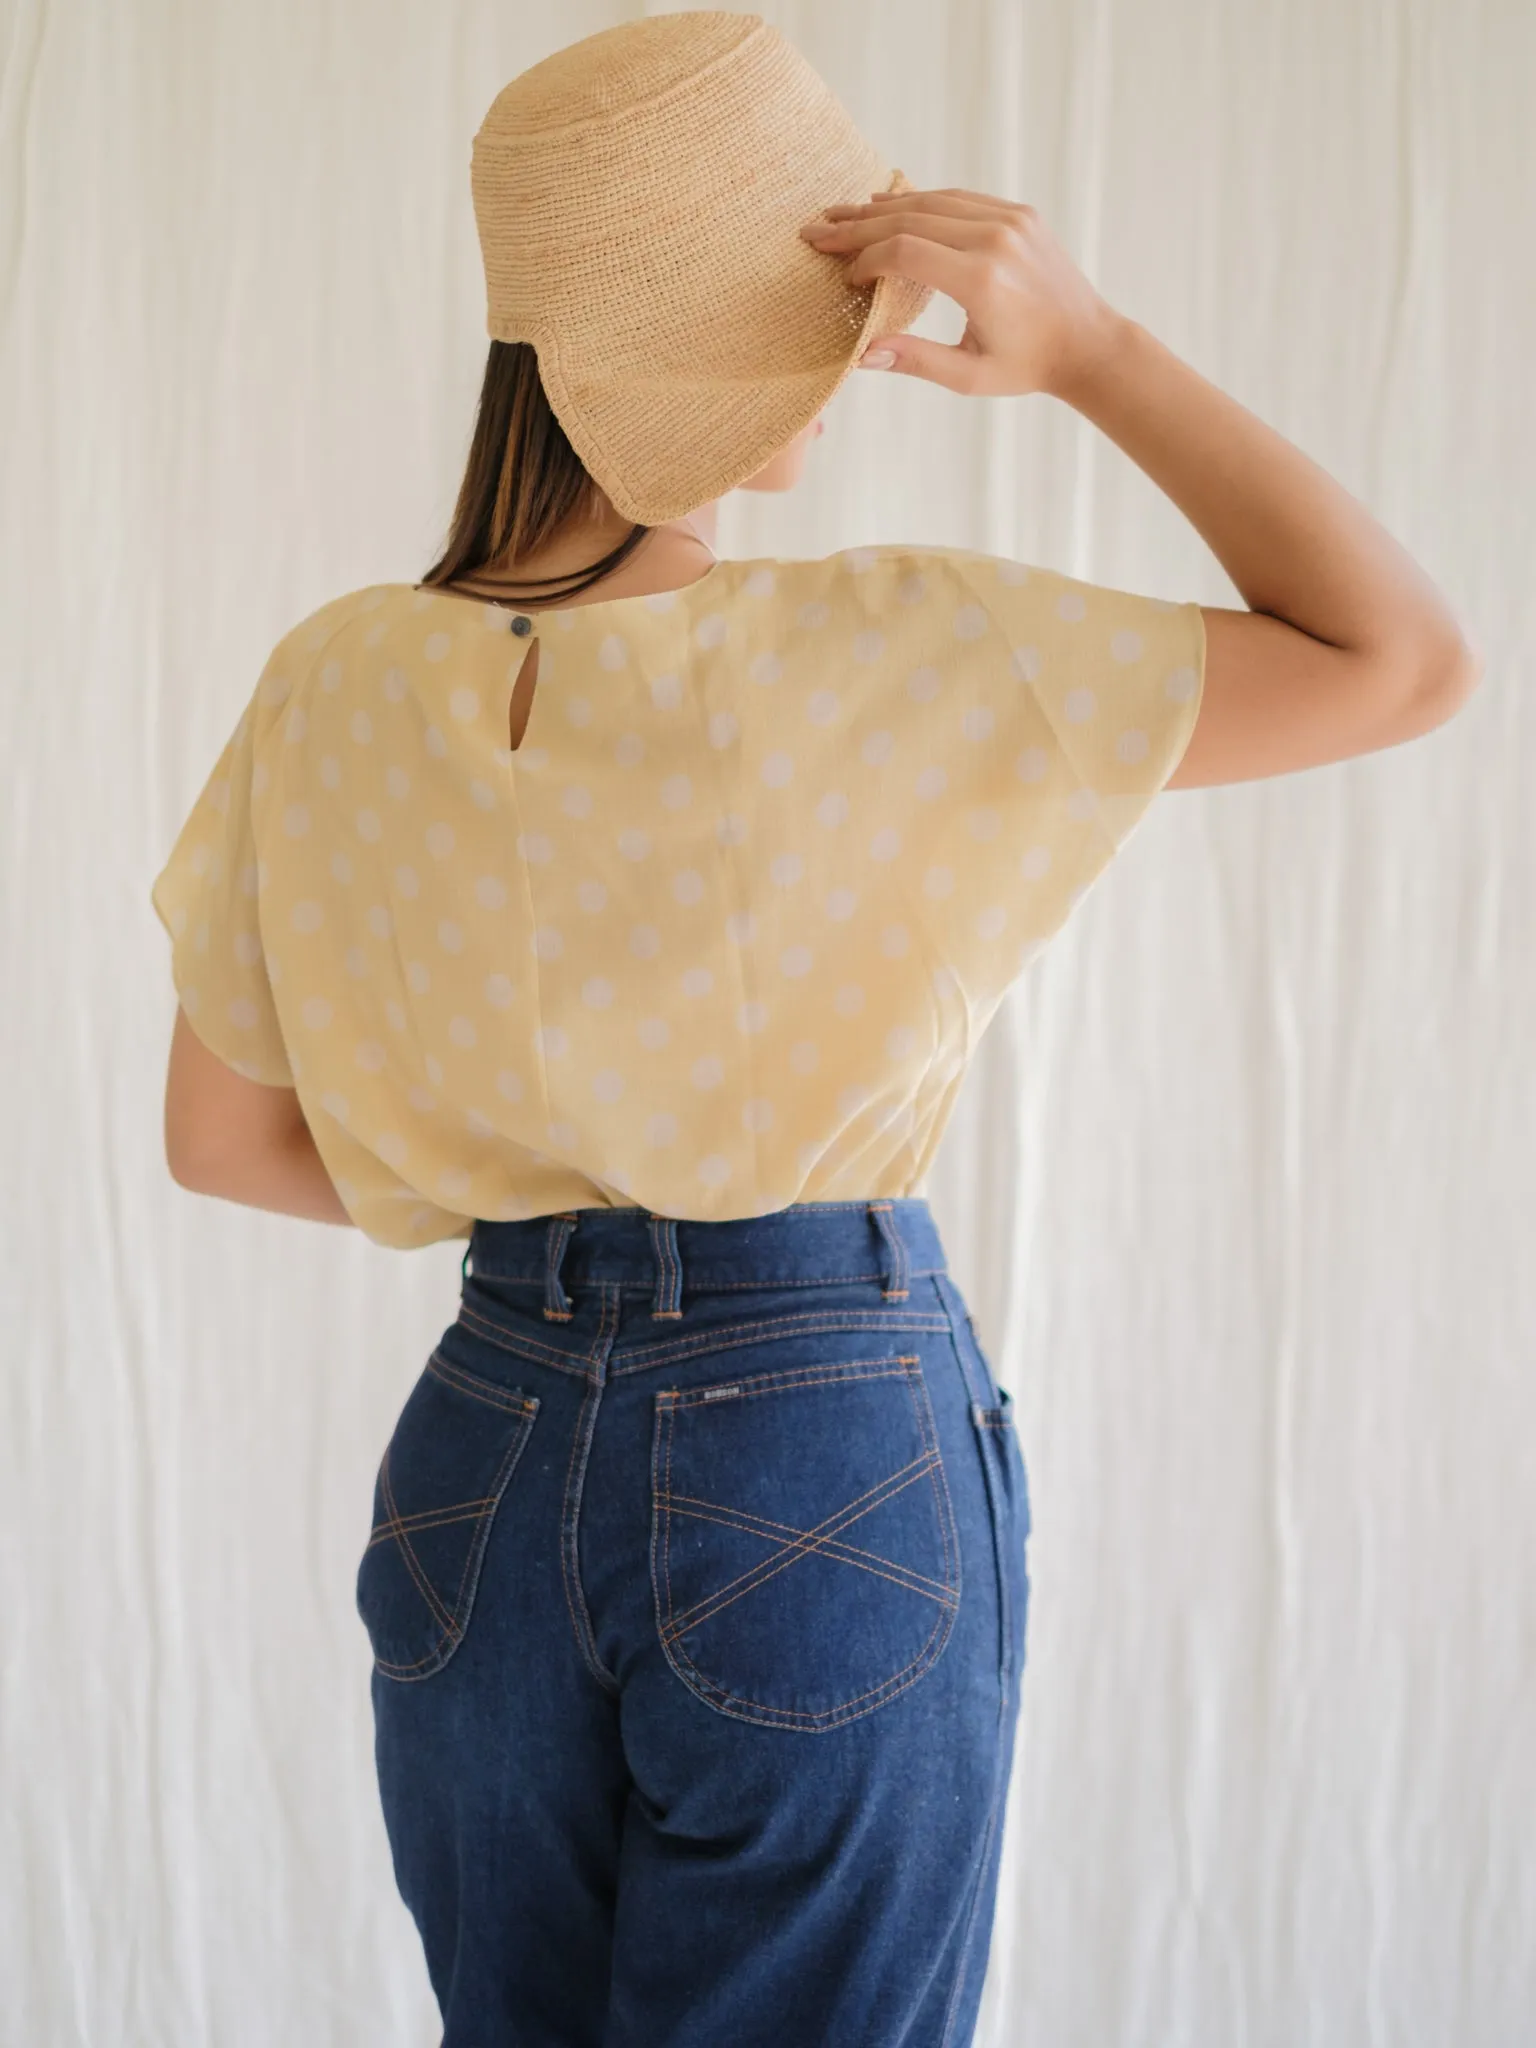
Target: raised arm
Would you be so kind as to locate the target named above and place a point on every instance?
(1347, 647)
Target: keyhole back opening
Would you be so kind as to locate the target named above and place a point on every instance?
(522, 697)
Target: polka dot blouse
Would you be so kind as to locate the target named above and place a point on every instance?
(721, 933)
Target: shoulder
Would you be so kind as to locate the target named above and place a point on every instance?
(301, 652)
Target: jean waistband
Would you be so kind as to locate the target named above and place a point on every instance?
(892, 1241)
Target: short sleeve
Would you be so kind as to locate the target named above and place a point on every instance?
(206, 897)
(1117, 679)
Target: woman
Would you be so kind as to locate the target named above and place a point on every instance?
(633, 915)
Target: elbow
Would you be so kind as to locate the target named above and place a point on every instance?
(1446, 674)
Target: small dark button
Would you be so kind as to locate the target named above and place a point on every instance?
(521, 626)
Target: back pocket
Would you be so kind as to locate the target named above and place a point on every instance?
(803, 1544)
(441, 1479)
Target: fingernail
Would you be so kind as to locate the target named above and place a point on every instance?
(876, 359)
(817, 227)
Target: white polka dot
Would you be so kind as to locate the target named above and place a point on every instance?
(707, 1072)
(714, 1169)
(242, 1013)
(644, 941)
(970, 622)
(591, 895)
(453, 1182)
(499, 991)
(628, 748)
(407, 881)
(296, 725)
(710, 631)
(860, 559)
(752, 1017)
(537, 847)
(741, 927)
(330, 771)
(336, 1105)
(913, 587)
(392, 1148)
(765, 668)
(576, 802)
(561, 1134)
(688, 885)
(990, 922)
(851, 1100)
(786, 868)
(341, 867)
(1071, 606)
(803, 1056)
(841, 903)
(397, 782)
(848, 1000)
(938, 881)
(259, 778)
(440, 840)
(661, 1129)
(832, 810)
(547, 943)
(666, 692)
(597, 992)
(1082, 805)
(931, 781)
(697, 981)
(509, 1085)
(1080, 705)
(653, 1033)
(822, 706)
(1032, 765)
(868, 645)
(528, 757)
(612, 652)
(1180, 685)
(795, 960)
(1125, 646)
(923, 685)
(361, 728)
(777, 769)
(901, 1042)
(307, 916)
(370, 1056)
(247, 948)
(814, 614)
(434, 742)
(369, 825)
(723, 728)
(1132, 746)
(464, 705)
(1035, 863)
(395, 1015)
(421, 1099)
(395, 685)
(878, 748)
(330, 677)
(380, 923)
(676, 792)
(450, 936)
(894, 941)
(552, 1041)
(490, 892)
(660, 600)
(985, 822)
(757, 1113)
(356, 961)
(976, 722)
(578, 710)
(418, 975)
(760, 583)
(886, 844)
(316, 1012)
(437, 645)
(633, 843)
(607, 1084)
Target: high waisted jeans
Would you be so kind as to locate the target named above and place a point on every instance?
(697, 1591)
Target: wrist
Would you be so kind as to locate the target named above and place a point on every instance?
(1096, 359)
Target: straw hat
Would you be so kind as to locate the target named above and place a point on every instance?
(638, 197)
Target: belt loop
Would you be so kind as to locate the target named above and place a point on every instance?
(893, 1263)
(669, 1268)
(557, 1303)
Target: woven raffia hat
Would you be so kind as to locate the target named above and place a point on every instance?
(638, 197)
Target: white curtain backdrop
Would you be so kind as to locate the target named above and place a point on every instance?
(1241, 1180)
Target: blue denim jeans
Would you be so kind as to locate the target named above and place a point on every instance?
(697, 1594)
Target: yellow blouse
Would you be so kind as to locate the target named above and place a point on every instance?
(722, 933)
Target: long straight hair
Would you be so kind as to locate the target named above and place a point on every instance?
(522, 484)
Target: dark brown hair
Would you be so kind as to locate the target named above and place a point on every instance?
(523, 483)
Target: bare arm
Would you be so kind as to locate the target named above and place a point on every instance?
(238, 1139)
(1348, 646)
